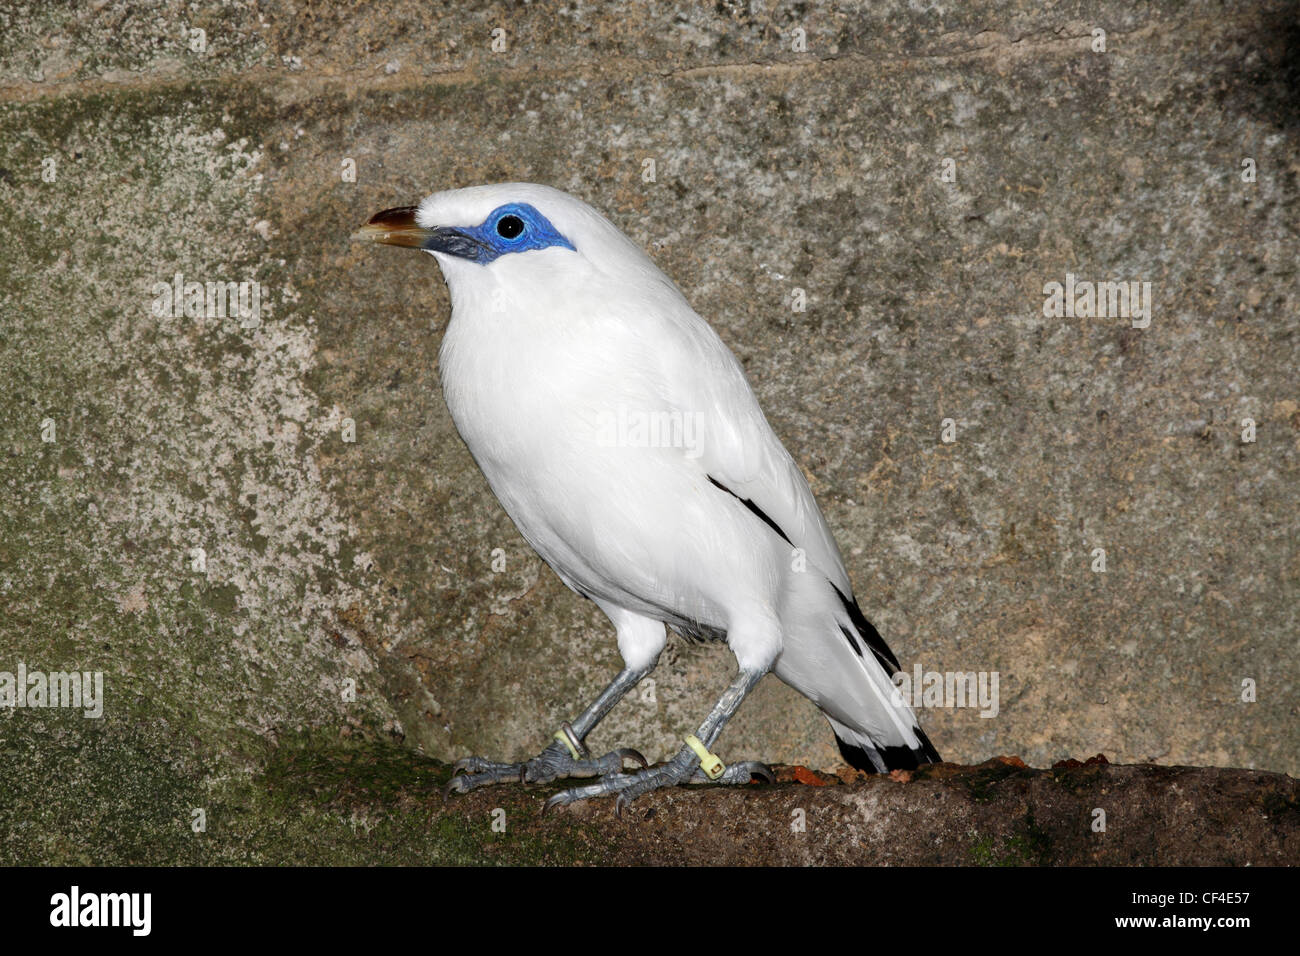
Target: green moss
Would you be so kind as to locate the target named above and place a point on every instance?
(221, 598)
(1030, 845)
(981, 852)
(107, 794)
(369, 772)
(321, 793)
(981, 784)
(114, 795)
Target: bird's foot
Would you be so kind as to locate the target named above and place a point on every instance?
(553, 763)
(683, 768)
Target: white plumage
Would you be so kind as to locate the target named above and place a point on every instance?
(545, 347)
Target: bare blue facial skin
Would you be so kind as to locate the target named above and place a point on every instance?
(514, 227)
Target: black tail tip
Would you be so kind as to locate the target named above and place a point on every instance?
(889, 758)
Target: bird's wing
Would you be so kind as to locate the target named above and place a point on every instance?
(740, 453)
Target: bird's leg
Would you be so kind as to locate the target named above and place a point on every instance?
(685, 766)
(566, 756)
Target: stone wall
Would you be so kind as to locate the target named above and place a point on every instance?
(184, 514)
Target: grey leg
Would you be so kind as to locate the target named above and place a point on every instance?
(682, 768)
(556, 762)
(611, 695)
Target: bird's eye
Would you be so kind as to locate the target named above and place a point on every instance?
(508, 227)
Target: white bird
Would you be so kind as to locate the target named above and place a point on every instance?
(620, 435)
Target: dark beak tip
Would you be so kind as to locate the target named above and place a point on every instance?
(394, 227)
(397, 216)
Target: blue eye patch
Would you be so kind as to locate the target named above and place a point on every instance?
(514, 227)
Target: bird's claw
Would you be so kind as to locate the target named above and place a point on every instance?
(465, 782)
(553, 763)
(627, 753)
(468, 765)
(683, 768)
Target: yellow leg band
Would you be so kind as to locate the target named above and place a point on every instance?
(565, 736)
(709, 763)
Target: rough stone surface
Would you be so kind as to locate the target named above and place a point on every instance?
(329, 562)
(381, 805)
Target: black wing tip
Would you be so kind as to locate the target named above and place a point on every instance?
(927, 749)
(900, 757)
(868, 632)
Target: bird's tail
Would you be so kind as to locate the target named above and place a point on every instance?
(861, 750)
(863, 753)
(834, 656)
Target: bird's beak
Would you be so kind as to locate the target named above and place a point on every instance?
(394, 227)
(397, 227)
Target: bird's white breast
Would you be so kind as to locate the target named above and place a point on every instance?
(531, 383)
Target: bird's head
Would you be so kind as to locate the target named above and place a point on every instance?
(527, 240)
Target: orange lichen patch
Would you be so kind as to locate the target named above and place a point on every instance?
(900, 776)
(801, 774)
(805, 776)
